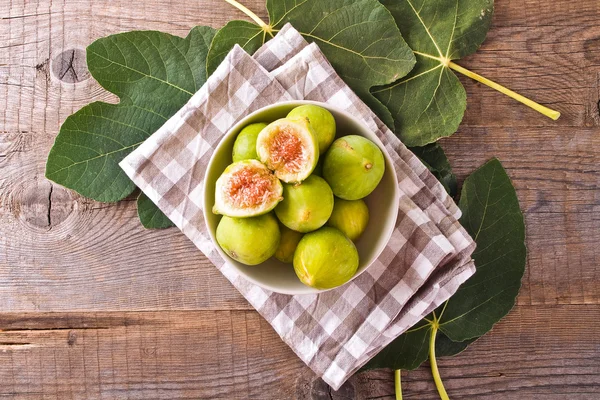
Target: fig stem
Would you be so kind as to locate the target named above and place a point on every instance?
(265, 27)
(398, 384)
(522, 99)
(433, 362)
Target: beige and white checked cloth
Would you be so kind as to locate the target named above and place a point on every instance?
(336, 332)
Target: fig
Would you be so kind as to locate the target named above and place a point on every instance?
(325, 258)
(287, 244)
(350, 217)
(321, 121)
(250, 241)
(288, 147)
(305, 206)
(246, 189)
(244, 147)
(353, 167)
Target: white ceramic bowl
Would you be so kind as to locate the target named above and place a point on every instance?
(382, 202)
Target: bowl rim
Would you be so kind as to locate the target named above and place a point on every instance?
(213, 159)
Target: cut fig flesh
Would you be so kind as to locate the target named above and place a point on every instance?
(246, 189)
(290, 148)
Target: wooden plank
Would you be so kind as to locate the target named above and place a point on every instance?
(97, 258)
(543, 350)
(59, 251)
(544, 63)
(546, 51)
(551, 65)
(33, 35)
(517, 13)
(531, 48)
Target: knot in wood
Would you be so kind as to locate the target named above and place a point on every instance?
(71, 338)
(41, 204)
(321, 391)
(70, 66)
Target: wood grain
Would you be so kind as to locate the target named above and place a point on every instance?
(93, 306)
(236, 354)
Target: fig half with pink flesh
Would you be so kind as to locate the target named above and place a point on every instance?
(290, 148)
(247, 189)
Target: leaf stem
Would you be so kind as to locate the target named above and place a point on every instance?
(530, 103)
(433, 362)
(249, 13)
(398, 384)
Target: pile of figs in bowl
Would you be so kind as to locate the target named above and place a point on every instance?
(300, 197)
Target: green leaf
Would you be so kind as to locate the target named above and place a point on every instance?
(434, 158)
(411, 349)
(358, 37)
(246, 34)
(150, 215)
(492, 216)
(444, 347)
(154, 74)
(429, 103)
(407, 352)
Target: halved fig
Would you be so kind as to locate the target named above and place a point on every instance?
(247, 189)
(289, 147)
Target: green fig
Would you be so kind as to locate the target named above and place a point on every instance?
(321, 121)
(250, 241)
(353, 167)
(287, 245)
(350, 217)
(244, 147)
(306, 206)
(325, 258)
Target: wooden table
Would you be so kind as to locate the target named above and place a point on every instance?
(94, 306)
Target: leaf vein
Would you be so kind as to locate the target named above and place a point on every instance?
(144, 74)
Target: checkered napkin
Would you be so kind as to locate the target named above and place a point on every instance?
(335, 332)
